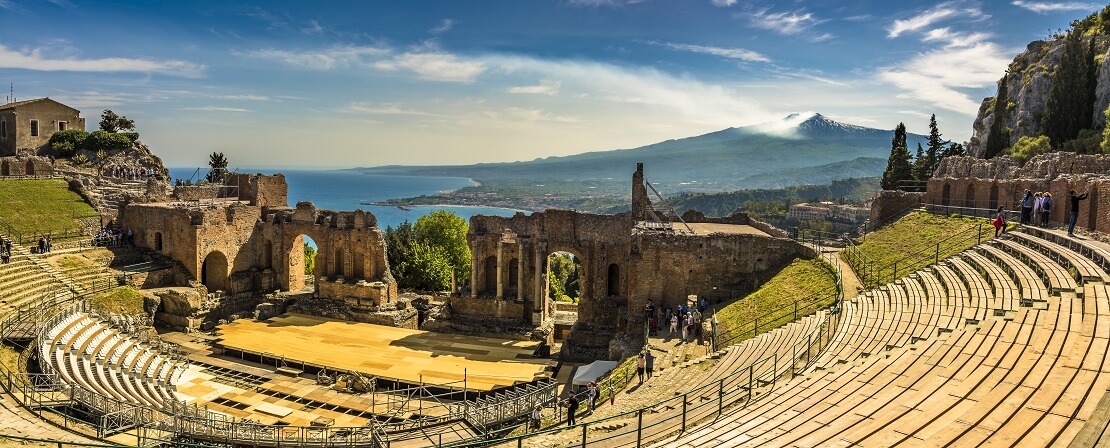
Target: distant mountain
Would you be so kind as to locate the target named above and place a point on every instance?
(798, 149)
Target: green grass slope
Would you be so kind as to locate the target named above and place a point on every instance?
(810, 283)
(44, 206)
(913, 242)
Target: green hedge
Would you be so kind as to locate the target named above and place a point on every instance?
(67, 143)
(107, 141)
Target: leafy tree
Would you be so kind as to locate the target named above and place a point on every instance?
(1087, 142)
(110, 122)
(217, 165)
(1027, 147)
(1069, 107)
(63, 149)
(955, 149)
(998, 137)
(398, 249)
(447, 231)
(898, 166)
(309, 260)
(563, 277)
(103, 141)
(1105, 145)
(428, 267)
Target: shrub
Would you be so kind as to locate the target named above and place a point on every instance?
(80, 160)
(107, 141)
(71, 136)
(132, 136)
(63, 149)
(1027, 147)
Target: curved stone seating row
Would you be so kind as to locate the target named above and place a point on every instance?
(86, 352)
(22, 281)
(998, 374)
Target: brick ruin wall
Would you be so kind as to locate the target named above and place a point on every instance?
(988, 184)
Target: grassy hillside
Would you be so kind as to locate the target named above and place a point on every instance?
(913, 242)
(722, 204)
(122, 300)
(37, 207)
(810, 282)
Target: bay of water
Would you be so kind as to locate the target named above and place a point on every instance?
(347, 190)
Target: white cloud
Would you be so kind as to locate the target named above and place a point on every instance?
(323, 59)
(314, 27)
(444, 26)
(915, 113)
(943, 11)
(363, 107)
(529, 114)
(1047, 7)
(216, 109)
(723, 3)
(596, 3)
(245, 97)
(433, 65)
(730, 53)
(38, 59)
(929, 76)
(952, 39)
(545, 87)
(788, 23)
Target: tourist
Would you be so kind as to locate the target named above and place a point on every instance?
(653, 327)
(42, 244)
(703, 304)
(8, 247)
(688, 330)
(674, 325)
(1026, 207)
(1038, 201)
(999, 221)
(649, 363)
(49, 244)
(696, 324)
(5, 257)
(1046, 208)
(537, 416)
(572, 407)
(641, 364)
(1074, 198)
(591, 394)
(649, 310)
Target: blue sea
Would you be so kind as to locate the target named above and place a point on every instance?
(348, 190)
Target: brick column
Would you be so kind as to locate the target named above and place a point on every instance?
(500, 270)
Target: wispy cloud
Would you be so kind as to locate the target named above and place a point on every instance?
(722, 3)
(531, 114)
(730, 53)
(321, 59)
(216, 109)
(363, 107)
(597, 3)
(444, 26)
(1047, 7)
(787, 23)
(245, 97)
(432, 64)
(7, 4)
(545, 87)
(928, 77)
(943, 11)
(915, 113)
(313, 27)
(952, 39)
(40, 59)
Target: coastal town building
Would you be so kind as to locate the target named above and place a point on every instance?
(821, 211)
(28, 125)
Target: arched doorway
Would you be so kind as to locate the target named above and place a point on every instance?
(158, 241)
(213, 272)
(969, 196)
(564, 290)
(304, 265)
(946, 195)
(993, 203)
(268, 255)
(613, 281)
(29, 168)
(1092, 208)
(337, 266)
(512, 281)
(5, 169)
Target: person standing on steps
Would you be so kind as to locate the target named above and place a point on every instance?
(649, 363)
(1038, 201)
(641, 364)
(591, 396)
(537, 416)
(1074, 199)
(572, 407)
(1046, 208)
(999, 221)
(1026, 207)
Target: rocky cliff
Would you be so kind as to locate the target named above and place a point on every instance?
(1028, 80)
(1044, 166)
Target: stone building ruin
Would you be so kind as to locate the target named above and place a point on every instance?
(626, 261)
(243, 237)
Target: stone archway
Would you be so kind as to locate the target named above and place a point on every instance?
(946, 195)
(613, 280)
(29, 168)
(993, 203)
(5, 168)
(213, 272)
(490, 277)
(969, 196)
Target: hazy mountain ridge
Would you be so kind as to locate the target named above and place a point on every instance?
(798, 149)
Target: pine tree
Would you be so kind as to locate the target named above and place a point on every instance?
(998, 138)
(1069, 108)
(898, 166)
(920, 164)
(936, 147)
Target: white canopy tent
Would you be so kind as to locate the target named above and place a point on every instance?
(591, 372)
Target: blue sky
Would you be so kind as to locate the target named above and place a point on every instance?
(328, 84)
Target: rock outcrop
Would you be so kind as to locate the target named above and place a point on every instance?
(1028, 81)
(1044, 166)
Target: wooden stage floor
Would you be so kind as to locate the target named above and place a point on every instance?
(388, 352)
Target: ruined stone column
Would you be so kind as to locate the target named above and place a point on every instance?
(519, 271)
(538, 299)
(500, 266)
(473, 273)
